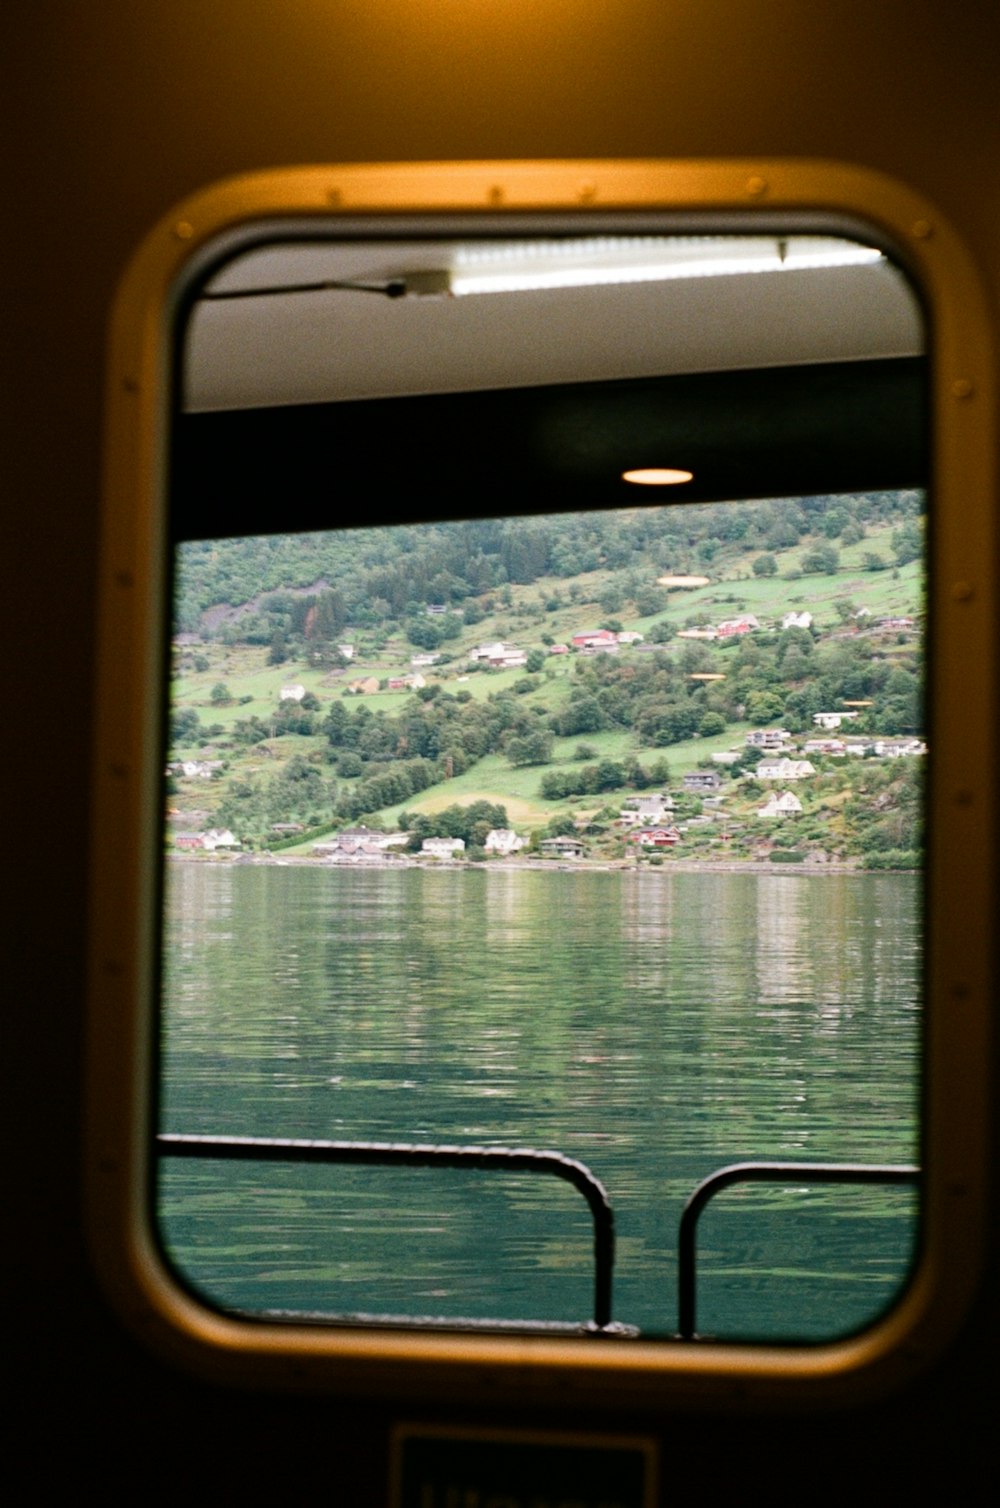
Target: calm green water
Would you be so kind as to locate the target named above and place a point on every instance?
(655, 1026)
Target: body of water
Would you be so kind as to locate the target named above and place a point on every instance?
(655, 1026)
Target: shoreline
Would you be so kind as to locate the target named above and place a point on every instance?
(559, 866)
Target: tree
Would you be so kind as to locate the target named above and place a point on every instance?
(532, 748)
(907, 541)
(324, 622)
(583, 715)
(425, 633)
(609, 775)
(764, 707)
(765, 565)
(650, 600)
(185, 727)
(658, 772)
(823, 559)
(795, 665)
(220, 694)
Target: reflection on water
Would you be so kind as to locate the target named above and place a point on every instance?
(655, 1026)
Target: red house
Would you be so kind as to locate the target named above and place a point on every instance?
(597, 638)
(655, 837)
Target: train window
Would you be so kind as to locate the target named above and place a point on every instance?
(536, 875)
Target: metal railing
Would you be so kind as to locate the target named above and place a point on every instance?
(402, 1154)
(525, 1159)
(762, 1172)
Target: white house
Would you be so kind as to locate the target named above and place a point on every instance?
(503, 840)
(832, 720)
(442, 848)
(218, 837)
(896, 748)
(293, 693)
(203, 769)
(653, 808)
(499, 655)
(784, 769)
(785, 805)
(797, 620)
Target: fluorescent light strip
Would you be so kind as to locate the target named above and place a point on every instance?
(599, 264)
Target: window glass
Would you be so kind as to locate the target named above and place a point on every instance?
(511, 804)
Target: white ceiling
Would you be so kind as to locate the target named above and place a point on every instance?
(313, 347)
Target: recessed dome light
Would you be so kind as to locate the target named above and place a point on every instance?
(656, 476)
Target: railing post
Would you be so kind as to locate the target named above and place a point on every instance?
(761, 1172)
(402, 1154)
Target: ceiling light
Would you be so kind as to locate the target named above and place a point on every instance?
(656, 476)
(531, 265)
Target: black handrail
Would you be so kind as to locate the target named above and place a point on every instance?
(402, 1154)
(762, 1172)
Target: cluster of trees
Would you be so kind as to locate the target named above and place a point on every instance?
(472, 823)
(393, 784)
(886, 818)
(454, 729)
(288, 717)
(768, 677)
(605, 775)
(297, 793)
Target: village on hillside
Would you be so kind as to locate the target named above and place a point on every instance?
(787, 729)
